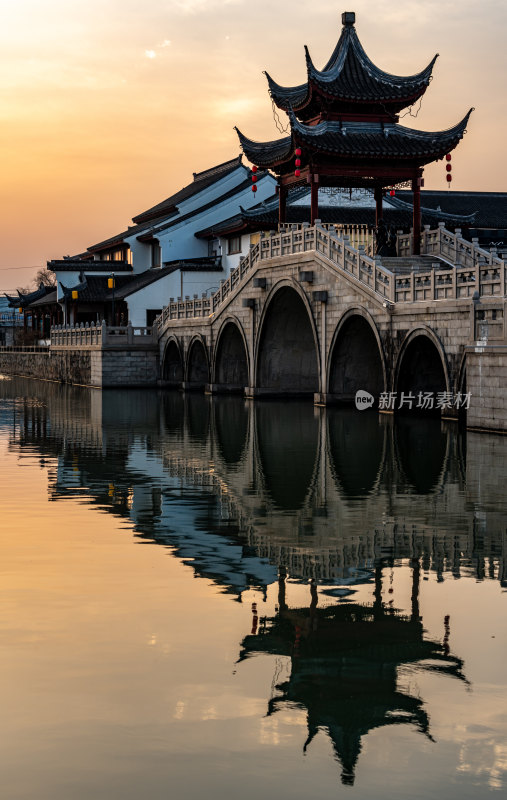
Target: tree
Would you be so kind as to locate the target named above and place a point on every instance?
(45, 277)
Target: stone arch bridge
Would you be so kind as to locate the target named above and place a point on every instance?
(306, 313)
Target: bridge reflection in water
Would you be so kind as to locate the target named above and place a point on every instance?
(253, 495)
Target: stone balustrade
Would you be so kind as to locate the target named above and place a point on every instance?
(101, 337)
(471, 268)
(29, 348)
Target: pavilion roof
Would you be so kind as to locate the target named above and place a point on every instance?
(371, 141)
(94, 288)
(45, 300)
(23, 299)
(350, 77)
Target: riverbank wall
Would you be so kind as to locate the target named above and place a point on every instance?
(97, 368)
(64, 367)
(89, 356)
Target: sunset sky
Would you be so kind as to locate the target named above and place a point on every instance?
(108, 106)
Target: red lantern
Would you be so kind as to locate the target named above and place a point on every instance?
(449, 178)
(254, 169)
(297, 173)
(392, 192)
(297, 151)
(254, 188)
(448, 167)
(254, 178)
(298, 162)
(448, 157)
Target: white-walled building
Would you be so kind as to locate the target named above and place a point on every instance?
(159, 257)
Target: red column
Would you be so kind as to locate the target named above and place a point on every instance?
(378, 204)
(416, 188)
(282, 204)
(315, 199)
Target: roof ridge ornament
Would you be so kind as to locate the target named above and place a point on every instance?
(308, 59)
(348, 19)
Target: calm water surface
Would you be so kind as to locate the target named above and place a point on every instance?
(204, 597)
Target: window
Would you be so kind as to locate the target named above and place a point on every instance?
(234, 245)
(213, 247)
(156, 254)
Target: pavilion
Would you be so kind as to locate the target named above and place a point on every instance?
(39, 308)
(344, 130)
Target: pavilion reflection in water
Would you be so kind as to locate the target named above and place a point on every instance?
(345, 660)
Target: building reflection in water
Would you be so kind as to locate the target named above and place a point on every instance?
(320, 493)
(251, 494)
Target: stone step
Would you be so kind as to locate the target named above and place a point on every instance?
(406, 264)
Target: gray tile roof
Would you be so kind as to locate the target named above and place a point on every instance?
(350, 75)
(358, 140)
(201, 181)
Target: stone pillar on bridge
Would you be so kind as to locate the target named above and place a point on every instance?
(320, 399)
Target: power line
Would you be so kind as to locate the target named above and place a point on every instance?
(4, 269)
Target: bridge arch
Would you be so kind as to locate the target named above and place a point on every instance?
(172, 362)
(231, 426)
(197, 416)
(357, 451)
(173, 410)
(287, 351)
(288, 460)
(422, 364)
(197, 367)
(423, 467)
(356, 357)
(230, 363)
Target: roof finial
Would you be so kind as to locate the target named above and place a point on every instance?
(348, 18)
